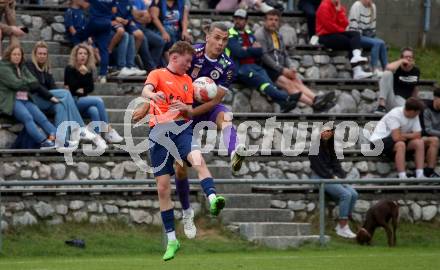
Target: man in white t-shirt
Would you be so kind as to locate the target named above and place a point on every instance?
(400, 131)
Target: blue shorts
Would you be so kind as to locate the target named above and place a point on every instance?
(211, 115)
(162, 160)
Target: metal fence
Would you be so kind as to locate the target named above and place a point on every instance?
(319, 182)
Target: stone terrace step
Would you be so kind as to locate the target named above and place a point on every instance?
(254, 230)
(233, 215)
(247, 200)
(54, 47)
(285, 242)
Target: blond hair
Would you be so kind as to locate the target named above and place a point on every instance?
(46, 66)
(90, 64)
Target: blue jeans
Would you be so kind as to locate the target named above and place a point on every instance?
(92, 107)
(378, 50)
(28, 113)
(345, 194)
(151, 49)
(126, 51)
(100, 30)
(175, 35)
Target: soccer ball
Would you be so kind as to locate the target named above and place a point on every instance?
(205, 89)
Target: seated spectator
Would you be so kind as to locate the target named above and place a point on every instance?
(170, 17)
(363, 19)
(331, 22)
(400, 131)
(431, 124)
(399, 82)
(75, 21)
(309, 8)
(245, 51)
(325, 165)
(279, 66)
(228, 5)
(151, 49)
(78, 78)
(49, 98)
(124, 23)
(16, 82)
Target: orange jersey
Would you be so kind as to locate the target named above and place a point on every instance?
(175, 87)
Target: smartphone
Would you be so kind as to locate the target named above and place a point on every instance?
(24, 29)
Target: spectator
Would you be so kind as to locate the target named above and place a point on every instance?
(309, 8)
(400, 131)
(16, 81)
(431, 121)
(75, 21)
(331, 22)
(363, 19)
(228, 5)
(9, 28)
(78, 78)
(280, 67)
(151, 49)
(245, 51)
(399, 82)
(326, 165)
(124, 23)
(49, 98)
(171, 19)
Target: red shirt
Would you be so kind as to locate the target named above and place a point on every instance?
(247, 44)
(330, 21)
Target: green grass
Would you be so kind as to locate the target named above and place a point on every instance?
(119, 246)
(428, 60)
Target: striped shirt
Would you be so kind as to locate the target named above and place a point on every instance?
(363, 19)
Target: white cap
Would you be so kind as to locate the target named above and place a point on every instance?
(240, 13)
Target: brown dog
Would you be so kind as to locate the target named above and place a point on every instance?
(379, 215)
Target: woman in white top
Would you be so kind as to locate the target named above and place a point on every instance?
(362, 18)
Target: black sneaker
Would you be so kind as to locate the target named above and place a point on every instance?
(79, 243)
(322, 101)
(291, 103)
(380, 110)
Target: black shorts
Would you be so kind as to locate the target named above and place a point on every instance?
(273, 74)
(388, 148)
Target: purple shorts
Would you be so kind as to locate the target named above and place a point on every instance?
(211, 115)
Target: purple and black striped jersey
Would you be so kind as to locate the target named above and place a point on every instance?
(221, 70)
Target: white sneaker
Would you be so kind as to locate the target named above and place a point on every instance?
(100, 142)
(265, 7)
(138, 72)
(102, 79)
(357, 57)
(378, 73)
(359, 73)
(314, 40)
(113, 137)
(86, 134)
(345, 232)
(125, 72)
(189, 228)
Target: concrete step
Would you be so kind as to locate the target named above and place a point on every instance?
(285, 242)
(117, 102)
(254, 230)
(236, 188)
(140, 131)
(54, 47)
(231, 215)
(58, 74)
(247, 200)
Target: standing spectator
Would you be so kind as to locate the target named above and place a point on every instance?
(431, 121)
(151, 49)
(331, 24)
(16, 81)
(49, 98)
(363, 19)
(399, 82)
(245, 51)
(171, 19)
(280, 67)
(78, 78)
(326, 165)
(400, 131)
(309, 8)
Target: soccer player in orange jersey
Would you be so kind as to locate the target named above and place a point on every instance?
(170, 92)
